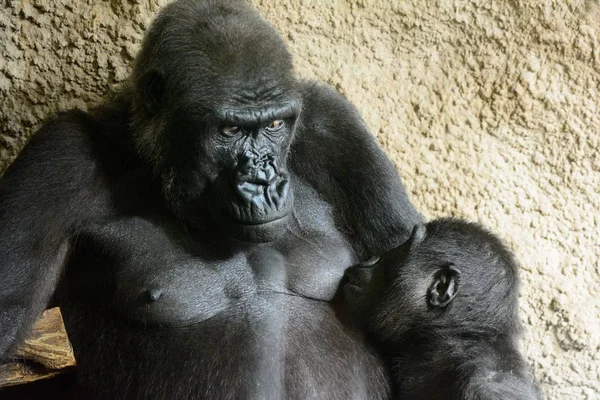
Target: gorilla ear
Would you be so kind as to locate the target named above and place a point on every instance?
(444, 287)
(154, 90)
(417, 235)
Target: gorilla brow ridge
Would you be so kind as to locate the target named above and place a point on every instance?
(247, 115)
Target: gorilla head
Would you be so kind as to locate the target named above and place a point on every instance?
(214, 110)
(450, 276)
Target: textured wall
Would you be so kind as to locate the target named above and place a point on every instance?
(488, 108)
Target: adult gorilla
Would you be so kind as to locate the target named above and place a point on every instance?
(194, 230)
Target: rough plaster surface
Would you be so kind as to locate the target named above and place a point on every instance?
(489, 109)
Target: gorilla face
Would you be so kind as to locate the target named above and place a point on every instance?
(214, 116)
(252, 194)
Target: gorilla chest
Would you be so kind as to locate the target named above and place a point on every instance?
(148, 272)
(223, 320)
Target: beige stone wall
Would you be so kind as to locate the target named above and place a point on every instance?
(489, 109)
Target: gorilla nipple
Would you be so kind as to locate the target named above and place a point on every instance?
(153, 294)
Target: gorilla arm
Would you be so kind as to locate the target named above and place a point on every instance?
(43, 195)
(336, 154)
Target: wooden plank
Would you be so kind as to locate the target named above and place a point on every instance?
(45, 353)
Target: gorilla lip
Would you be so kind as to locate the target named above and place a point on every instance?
(259, 223)
(353, 278)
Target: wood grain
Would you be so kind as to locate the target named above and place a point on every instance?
(45, 353)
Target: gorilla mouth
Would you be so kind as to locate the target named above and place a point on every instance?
(253, 202)
(257, 204)
(361, 274)
(258, 220)
(352, 280)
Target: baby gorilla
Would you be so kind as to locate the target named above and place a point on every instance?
(443, 308)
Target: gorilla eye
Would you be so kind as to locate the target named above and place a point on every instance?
(275, 125)
(230, 130)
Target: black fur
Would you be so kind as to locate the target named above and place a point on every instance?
(192, 259)
(443, 308)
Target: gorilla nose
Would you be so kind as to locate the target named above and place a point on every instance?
(258, 168)
(261, 176)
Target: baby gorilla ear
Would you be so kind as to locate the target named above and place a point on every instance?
(444, 287)
(417, 236)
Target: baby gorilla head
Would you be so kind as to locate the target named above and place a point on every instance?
(450, 276)
(443, 309)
